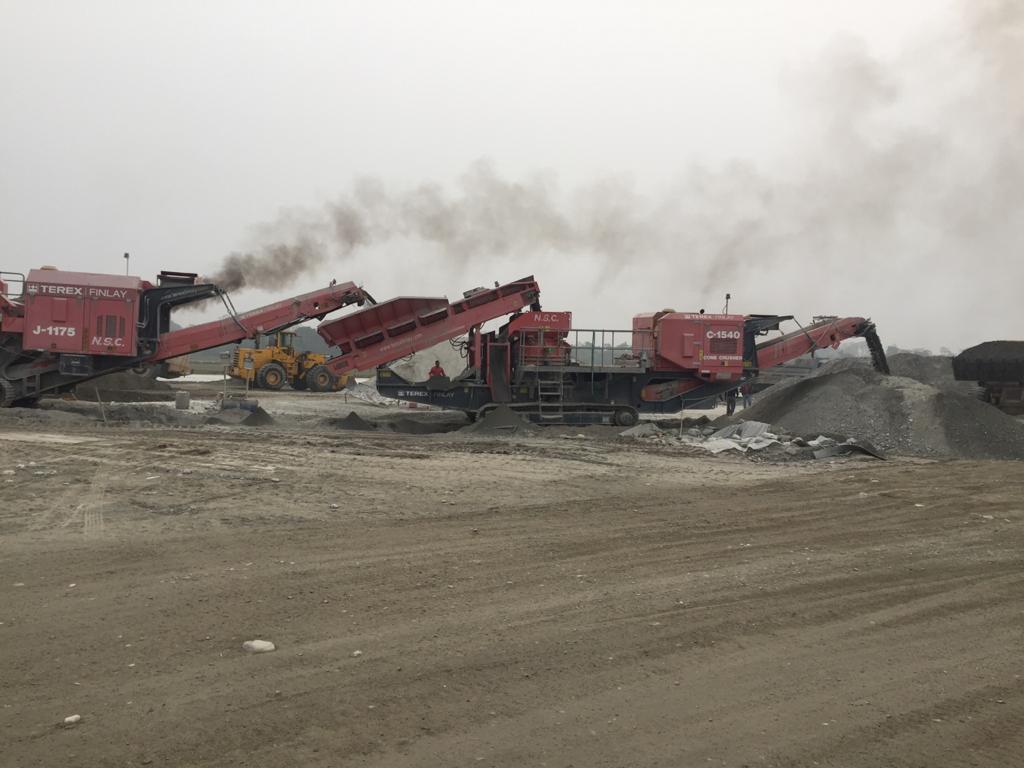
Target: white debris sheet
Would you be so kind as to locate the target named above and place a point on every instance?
(749, 437)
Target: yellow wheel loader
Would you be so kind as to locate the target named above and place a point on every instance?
(275, 364)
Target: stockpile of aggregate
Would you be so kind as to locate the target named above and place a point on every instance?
(934, 370)
(35, 417)
(55, 413)
(500, 421)
(240, 417)
(353, 421)
(125, 387)
(429, 424)
(407, 426)
(897, 413)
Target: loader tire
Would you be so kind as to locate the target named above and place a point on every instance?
(271, 376)
(320, 379)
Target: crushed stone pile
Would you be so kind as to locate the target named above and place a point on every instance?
(35, 417)
(406, 426)
(500, 421)
(401, 424)
(140, 413)
(257, 417)
(353, 421)
(125, 387)
(934, 370)
(896, 414)
(55, 412)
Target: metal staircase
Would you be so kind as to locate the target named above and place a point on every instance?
(550, 396)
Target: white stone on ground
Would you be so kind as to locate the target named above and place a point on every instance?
(258, 646)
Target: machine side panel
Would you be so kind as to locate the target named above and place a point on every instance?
(643, 335)
(60, 308)
(111, 327)
(709, 345)
(54, 323)
(544, 321)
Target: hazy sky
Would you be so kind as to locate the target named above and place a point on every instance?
(810, 156)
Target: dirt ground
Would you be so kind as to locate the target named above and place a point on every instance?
(441, 600)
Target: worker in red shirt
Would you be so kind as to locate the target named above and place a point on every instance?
(747, 391)
(437, 370)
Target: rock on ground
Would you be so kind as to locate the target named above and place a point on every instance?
(258, 646)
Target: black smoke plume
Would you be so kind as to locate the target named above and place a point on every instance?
(904, 166)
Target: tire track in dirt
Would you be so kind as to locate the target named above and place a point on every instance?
(588, 614)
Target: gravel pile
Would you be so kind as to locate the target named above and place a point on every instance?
(975, 429)
(353, 421)
(407, 426)
(934, 370)
(428, 424)
(57, 413)
(240, 417)
(35, 417)
(500, 421)
(897, 414)
(125, 387)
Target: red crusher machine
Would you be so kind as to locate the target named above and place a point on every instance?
(539, 365)
(63, 328)
(58, 329)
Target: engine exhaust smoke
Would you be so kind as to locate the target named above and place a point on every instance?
(904, 168)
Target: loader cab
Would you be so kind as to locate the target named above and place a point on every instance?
(284, 340)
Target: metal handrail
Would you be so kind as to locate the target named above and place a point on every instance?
(19, 278)
(593, 350)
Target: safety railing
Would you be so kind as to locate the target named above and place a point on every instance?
(591, 348)
(12, 284)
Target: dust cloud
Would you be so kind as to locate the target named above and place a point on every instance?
(903, 168)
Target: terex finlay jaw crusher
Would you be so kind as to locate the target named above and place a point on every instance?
(539, 365)
(58, 328)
